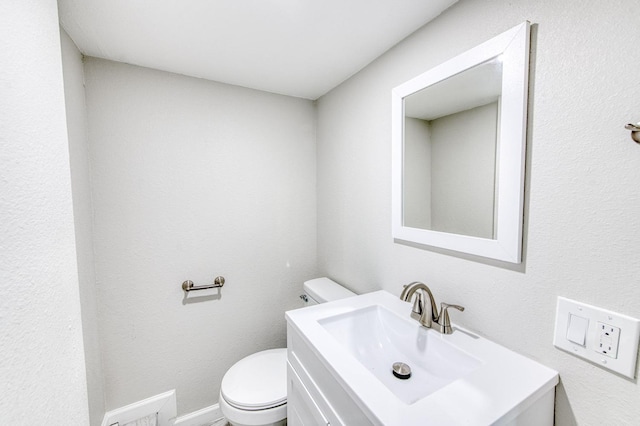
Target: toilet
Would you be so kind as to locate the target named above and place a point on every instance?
(254, 390)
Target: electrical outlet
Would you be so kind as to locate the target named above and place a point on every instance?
(607, 339)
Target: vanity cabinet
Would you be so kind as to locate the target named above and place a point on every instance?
(302, 409)
(314, 396)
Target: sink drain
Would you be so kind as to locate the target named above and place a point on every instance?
(401, 370)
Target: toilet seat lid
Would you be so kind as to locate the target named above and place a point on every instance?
(258, 381)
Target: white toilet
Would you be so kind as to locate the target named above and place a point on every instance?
(254, 390)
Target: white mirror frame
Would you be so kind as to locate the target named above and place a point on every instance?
(513, 47)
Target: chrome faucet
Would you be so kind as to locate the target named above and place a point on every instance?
(427, 313)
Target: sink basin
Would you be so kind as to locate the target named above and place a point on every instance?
(378, 338)
(457, 379)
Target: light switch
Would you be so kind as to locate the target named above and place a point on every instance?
(577, 330)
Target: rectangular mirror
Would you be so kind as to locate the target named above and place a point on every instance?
(459, 133)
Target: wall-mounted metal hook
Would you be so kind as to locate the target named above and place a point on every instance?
(635, 131)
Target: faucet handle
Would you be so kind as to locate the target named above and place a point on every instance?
(443, 318)
(418, 306)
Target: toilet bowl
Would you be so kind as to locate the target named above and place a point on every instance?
(253, 391)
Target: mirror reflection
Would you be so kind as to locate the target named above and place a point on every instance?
(451, 133)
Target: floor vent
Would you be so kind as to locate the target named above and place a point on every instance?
(159, 410)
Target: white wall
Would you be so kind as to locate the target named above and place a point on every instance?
(582, 228)
(463, 164)
(416, 192)
(83, 218)
(449, 171)
(42, 370)
(193, 179)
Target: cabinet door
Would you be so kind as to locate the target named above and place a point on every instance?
(302, 410)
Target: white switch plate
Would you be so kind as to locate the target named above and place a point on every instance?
(626, 331)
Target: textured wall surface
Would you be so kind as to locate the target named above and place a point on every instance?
(416, 176)
(463, 163)
(72, 68)
(582, 234)
(42, 373)
(193, 179)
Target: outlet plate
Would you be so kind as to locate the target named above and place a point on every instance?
(621, 342)
(607, 339)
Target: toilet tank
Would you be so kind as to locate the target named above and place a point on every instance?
(322, 290)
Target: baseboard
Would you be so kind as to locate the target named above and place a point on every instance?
(163, 404)
(200, 417)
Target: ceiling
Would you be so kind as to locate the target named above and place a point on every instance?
(301, 48)
(474, 87)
